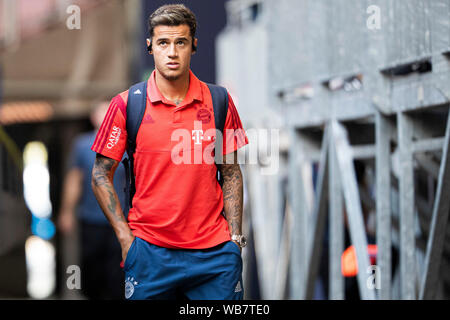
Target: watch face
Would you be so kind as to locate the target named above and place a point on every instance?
(243, 241)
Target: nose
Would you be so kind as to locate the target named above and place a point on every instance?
(173, 51)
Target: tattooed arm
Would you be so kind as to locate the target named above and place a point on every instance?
(232, 193)
(102, 185)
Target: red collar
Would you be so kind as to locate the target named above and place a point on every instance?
(194, 92)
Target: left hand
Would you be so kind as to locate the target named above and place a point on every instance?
(237, 245)
(66, 222)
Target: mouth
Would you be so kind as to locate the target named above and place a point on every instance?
(173, 65)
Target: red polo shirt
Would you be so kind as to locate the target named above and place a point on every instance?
(178, 201)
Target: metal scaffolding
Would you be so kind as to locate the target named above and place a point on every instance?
(365, 110)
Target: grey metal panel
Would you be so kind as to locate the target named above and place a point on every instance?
(438, 224)
(383, 205)
(236, 53)
(293, 36)
(283, 252)
(307, 114)
(364, 151)
(315, 243)
(266, 262)
(336, 221)
(406, 188)
(420, 92)
(282, 275)
(346, 35)
(335, 39)
(339, 106)
(353, 206)
(409, 36)
(375, 51)
(430, 144)
(300, 222)
(440, 26)
(351, 106)
(273, 226)
(441, 76)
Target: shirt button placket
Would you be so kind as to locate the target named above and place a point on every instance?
(177, 116)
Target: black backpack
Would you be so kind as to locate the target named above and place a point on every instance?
(136, 105)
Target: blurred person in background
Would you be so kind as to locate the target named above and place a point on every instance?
(183, 237)
(101, 274)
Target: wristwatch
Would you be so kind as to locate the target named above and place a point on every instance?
(240, 239)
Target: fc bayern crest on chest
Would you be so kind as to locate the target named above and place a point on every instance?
(204, 116)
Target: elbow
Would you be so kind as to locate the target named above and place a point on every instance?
(96, 179)
(99, 179)
(231, 173)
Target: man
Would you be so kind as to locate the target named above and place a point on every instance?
(101, 275)
(177, 242)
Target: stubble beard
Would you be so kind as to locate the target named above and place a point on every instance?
(170, 77)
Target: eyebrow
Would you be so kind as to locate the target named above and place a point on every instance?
(176, 39)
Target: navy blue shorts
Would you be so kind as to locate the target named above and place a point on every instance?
(153, 272)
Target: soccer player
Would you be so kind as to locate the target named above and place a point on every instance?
(183, 236)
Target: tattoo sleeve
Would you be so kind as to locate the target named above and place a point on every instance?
(103, 187)
(232, 194)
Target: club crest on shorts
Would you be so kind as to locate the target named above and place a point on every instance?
(238, 287)
(129, 287)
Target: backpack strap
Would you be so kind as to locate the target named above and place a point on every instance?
(137, 102)
(220, 106)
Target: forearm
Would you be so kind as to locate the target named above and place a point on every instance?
(103, 187)
(71, 190)
(232, 196)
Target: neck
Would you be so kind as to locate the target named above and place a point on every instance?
(173, 90)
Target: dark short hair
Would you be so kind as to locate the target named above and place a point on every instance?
(172, 15)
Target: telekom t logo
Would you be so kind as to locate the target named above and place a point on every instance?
(197, 133)
(197, 136)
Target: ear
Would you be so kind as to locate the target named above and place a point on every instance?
(194, 44)
(149, 48)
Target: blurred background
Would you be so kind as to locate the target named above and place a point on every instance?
(347, 174)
